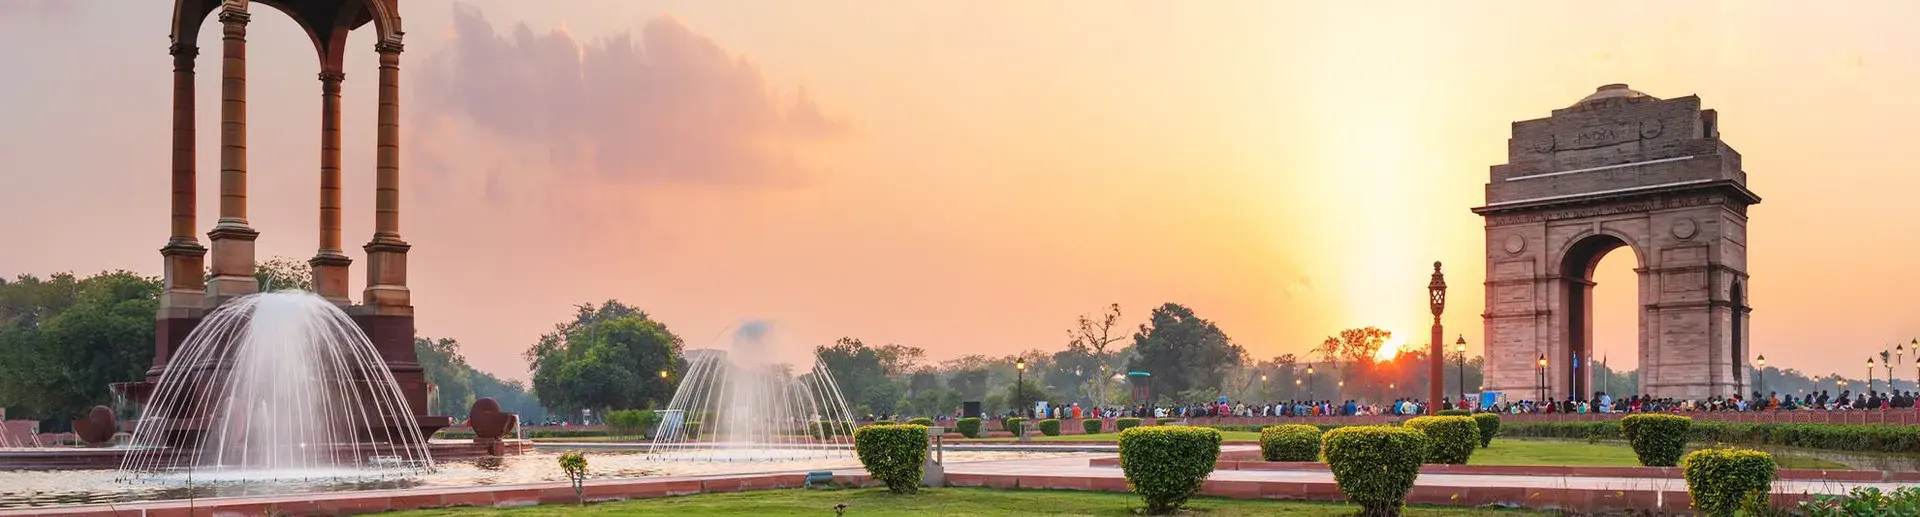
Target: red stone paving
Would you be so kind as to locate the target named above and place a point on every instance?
(1550, 488)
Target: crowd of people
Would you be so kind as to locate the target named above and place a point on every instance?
(1601, 402)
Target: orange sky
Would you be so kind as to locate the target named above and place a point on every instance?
(967, 177)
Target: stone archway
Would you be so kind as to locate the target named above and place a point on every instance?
(1618, 169)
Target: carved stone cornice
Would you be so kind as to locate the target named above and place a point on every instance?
(234, 16)
(392, 46)
(330, 81)
(183, 51)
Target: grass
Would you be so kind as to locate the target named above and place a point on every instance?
(1231, 436)
(932, 501)
(1514, 451)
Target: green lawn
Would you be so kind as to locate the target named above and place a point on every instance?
(1514, 451)
(1243, 436)
(935, 501)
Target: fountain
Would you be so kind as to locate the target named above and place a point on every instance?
(279, 385)
(741, 401)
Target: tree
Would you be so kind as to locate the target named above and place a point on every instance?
(1183, 351)
(283, 274)
(63, 340)
(608, 357)
(1096, 334)
(859, 370)
(449, 374)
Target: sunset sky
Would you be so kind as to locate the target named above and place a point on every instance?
(967, 177)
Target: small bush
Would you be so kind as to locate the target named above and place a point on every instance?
(1864, 501)
(1657, 439)
(825, 430)
(1451, 439)
(1454, 412)
(1092, 425)
(968, 427)
(631, 422)
(1290, 442)
(1166, 465)
(1013, 425)
(1164, 421)
(924, 422)
(1489, 425)
(893, 454)
(1123, 424)
(1722, 480)
(1050, 427)
(1375, 465)
(574, 465)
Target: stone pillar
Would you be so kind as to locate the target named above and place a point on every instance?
(387, 254)
(233, 261)
(329, 263)
(184, 287)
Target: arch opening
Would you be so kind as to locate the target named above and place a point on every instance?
(1583, 267)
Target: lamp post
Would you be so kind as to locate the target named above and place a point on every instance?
(1541, 372)
(1869, 374)
(1898, 350)
(1020, 384)
(1762, 374)
(1437, 353)
(1460, 355)
(1309, 381)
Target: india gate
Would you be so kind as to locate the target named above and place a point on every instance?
(1618, 170)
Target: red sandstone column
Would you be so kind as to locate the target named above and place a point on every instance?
(387, 253)
(185, 282)
(329, 264)
(232, 239)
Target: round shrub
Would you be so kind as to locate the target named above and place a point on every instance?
(1454, 412)
(893, 454)
(926, 422)
(1489, 425)
(1123, 424)
(1657, 439)
(968, 427)
(1013, 425)
(1451, 439)
(1166, 465)
(1721, 480)
(1290, 442)
(1375, 465)
(1092, 425)
(1050, 427)
(1164, 421)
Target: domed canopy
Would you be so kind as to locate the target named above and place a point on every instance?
(1613, 91)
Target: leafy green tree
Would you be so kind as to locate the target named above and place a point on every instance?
(449, 374)
(283, 274)
(63, 340)
(860, 371)
(608, 357)
(1183, 351)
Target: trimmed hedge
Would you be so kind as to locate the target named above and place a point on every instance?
(1092, 425)
(1451, 439)
(893, 454)
(1123, 424)
(1454, 412)
(927, 422)
(631, 422)
(1164, 421)
(1013, 425)
(1489, 426)
(1290, 442)
(1166, 465)
(968, 427)
(1721, 481)
(824, 430)
(1657, 439)
(1050, 427)
(1375, 465)
(1837, 437)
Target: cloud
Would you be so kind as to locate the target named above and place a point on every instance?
(668, 106)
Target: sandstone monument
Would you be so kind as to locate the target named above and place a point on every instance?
(1618, 169)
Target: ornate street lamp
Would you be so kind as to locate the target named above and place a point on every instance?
(1541, 370)
(1460, 355)
(1020, 384)
(1762, 360)
(1309, 381)
(1869, 374)
(1898, 350)
(1437, 352)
